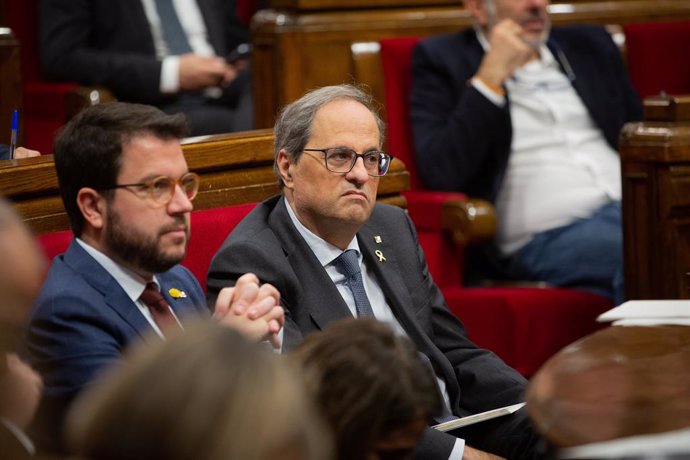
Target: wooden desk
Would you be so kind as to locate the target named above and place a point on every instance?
(655, 168)
(617, 382)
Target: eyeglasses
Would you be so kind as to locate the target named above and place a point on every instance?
(341, 160)
(161, 189)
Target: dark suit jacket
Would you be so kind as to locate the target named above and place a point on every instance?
(462, 140)
(109, 43)
(81, 322)
(267, 243)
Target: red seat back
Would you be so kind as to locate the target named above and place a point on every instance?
(396, 58)
(657, 57)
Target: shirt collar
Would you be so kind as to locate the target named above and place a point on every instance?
(324, 251)
(131, 283)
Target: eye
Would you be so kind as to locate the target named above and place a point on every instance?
(161, 186)
(372, 158)
(340, 155)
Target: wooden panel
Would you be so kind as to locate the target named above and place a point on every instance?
(301, 47)
(655, 158)
(234, 169)
(349, 4)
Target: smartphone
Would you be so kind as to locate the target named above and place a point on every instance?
(243, 51)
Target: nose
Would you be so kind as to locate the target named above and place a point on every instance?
(179, 203)
(358, 173)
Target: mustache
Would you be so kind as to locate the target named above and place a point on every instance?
(179, 222)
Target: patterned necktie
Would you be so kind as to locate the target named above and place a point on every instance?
(173, 33)
(347, 263)
(159, 308)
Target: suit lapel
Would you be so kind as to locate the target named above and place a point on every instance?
(115, 297)
(318, 297)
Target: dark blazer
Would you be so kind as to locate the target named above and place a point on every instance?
(109, 43)
(267, 243)
(462, 140)
(81, 322)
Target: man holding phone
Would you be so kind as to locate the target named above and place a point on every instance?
(167, 53)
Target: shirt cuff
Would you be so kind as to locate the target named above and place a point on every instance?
(170, 75)
(458, 450)
(479, 85)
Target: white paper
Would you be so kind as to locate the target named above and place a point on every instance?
(649, 313)
(480, 417)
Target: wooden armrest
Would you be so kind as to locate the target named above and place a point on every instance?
(84, 96)
(469, 221)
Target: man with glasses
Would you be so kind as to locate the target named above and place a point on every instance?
(333, 252)
(128, 194)
(528, 118)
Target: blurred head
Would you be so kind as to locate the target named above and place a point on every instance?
(333, 205)
(531, 15)
(21, 272)
(107, 146)
(207, 394)
(371, 386)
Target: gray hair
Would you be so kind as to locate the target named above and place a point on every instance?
(293, 126)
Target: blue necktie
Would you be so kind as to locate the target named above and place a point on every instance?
(173, 33)
(347, 263)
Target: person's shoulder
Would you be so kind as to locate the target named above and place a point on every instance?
(581, 33)
(387, 214)
(444, 43)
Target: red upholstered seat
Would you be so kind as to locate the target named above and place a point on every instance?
(210, 227)
(658, 57)
(524, 326)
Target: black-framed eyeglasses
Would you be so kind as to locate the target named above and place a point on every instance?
(161, 189)
(341, 160)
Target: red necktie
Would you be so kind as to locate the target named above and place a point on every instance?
(159, 308)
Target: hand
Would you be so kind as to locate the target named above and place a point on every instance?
(475, 454)
(20, 391)
(22, 152)
(252, 309)
(508, 52)
(200, 72)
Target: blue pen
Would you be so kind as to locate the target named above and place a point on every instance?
(15, 130)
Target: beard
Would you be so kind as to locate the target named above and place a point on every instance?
(139, 250)
(534, 13)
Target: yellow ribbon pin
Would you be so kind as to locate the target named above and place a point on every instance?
(177, 294)
(379, 254)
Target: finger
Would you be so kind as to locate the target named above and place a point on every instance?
(268, 290)
(275, 341)
(244, 297)
(261, 307)
(223, 302)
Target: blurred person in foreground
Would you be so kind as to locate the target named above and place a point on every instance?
(372, 387)
(21, 270)
(208, 394)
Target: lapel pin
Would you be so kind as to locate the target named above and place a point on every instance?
(177, 294)
(379, 254)
(378, 239)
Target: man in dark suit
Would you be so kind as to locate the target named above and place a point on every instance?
(129, 47)
(327, 219)
(528, 118)
(127, 191)
(21, 268)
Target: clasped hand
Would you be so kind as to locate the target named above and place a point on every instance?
(252, 309)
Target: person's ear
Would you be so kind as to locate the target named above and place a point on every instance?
(285, 165)
(92, 206)
(477, 9)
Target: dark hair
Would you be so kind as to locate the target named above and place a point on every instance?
(367, 382)
(88, 150)
(293, 126)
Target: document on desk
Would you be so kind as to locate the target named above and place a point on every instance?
(649, 313)
(480, 417)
